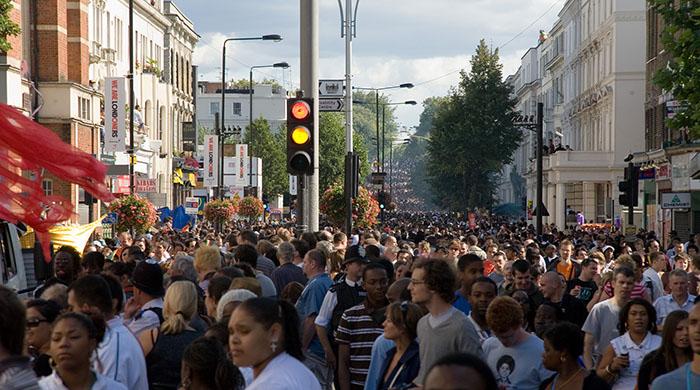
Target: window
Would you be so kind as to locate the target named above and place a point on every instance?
(214, 108)
(47, 186)
(237, 109)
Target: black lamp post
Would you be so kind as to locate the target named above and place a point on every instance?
(376, 94)
(219, 132)
(282, 65)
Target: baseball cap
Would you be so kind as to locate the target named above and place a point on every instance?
(148, 277)
(355, 253)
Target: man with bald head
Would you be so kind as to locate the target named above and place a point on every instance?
(553, 286)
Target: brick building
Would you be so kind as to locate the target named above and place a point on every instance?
(56, 68)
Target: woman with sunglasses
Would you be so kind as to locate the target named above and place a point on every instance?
(74, 339)
(402, 363)
(40, 315)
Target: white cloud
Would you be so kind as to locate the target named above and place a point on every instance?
(397, 40)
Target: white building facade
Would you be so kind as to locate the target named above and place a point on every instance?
(164, 39)
(269, 102)
(592, 80)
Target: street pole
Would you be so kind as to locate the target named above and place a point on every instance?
(223, 123)
(132, 105)
(391, 171)
(309, 84)
(383, 135)
(250, 128)
(630, 206)
(350, 184)
(540, 145)
(273, 37)
(376, 93)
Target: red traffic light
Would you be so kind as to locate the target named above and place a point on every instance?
(300, 110)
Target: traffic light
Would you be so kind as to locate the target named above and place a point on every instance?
(300, 128)
(384, 199)
(629, 188)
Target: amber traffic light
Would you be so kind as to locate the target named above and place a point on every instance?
(300, 127)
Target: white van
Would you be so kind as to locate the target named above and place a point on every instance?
(12, 265)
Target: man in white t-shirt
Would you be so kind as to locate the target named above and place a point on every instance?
(511, 353)
(601, 325)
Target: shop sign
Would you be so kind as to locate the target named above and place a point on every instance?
(675, 200)
(647, 174)
(663, 172)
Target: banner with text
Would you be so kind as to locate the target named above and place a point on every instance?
(243, 165)
(115, 114)
(211, 161)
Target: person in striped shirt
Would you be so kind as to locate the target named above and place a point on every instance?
(359, 327)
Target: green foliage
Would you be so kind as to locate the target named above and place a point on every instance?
(417, 149)
(220, 211)
(365, 121)
(272, 148)
(133, 212)
(681, 77)
(472, 136)
(7, 26)
(245, 83)
(251, 208)
(332, 150)
(364, 207)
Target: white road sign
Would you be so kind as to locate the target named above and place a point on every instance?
(331, 88)
(331, 104)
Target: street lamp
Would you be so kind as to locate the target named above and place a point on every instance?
(282, 65)
(391, 163)
(269, 37)
(376, 94)
(407, 102)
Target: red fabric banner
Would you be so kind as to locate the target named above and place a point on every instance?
(27, 151)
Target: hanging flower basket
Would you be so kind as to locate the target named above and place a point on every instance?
(133, 212)
(220, 211)
(250, 207)
(364, 207)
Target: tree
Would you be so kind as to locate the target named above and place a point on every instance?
(416, 150)
(681, 77)
(473, 135)
(365, 120)
(332, 150)
(245, 83)
(7, 26)
(271, 147)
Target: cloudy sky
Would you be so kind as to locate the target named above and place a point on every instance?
(424, 42)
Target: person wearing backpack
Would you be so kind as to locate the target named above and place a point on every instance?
(144, 310)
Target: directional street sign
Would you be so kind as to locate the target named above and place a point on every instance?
(325, 104)
(331, 88)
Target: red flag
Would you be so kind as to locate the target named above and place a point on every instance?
(30, 148)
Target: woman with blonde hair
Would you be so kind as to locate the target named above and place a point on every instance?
(164, 346)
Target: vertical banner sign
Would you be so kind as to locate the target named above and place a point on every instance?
(211, 161)
(242, 154)
(115, 114)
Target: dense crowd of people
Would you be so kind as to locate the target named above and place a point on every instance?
(426, 302)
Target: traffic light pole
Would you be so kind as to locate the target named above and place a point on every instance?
(630, 205)
(350, 168)
(309, 84)
(540, 145)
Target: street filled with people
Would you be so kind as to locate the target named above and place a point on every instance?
(429, 300)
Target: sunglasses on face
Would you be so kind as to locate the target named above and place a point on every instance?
(33, 323)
